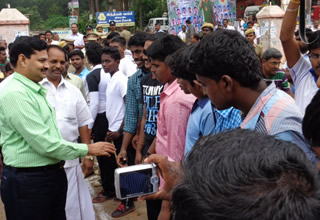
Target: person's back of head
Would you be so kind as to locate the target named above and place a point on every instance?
(27, 46)
(271, 53)
(227, 52)
(112, 52)
(315, 39)
(247, 175)
(119, 40)
(164, 46)
(93, 52)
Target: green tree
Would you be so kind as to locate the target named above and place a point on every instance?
(36, 22)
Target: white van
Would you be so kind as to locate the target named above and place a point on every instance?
(163, 21)
(252, 10)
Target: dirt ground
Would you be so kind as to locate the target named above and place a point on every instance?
(104, 210)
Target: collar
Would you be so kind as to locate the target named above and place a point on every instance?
(141, 73)
(223, 113)
(199, 103)
(36, 87)
(99, 66)
(313, 74)
(169, 89)
(62, 82)
(82, 72)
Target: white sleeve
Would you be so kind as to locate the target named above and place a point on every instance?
(300, 70)
(83, 114)
(94, 106)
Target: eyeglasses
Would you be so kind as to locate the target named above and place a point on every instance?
(314, 56)
(275, 63)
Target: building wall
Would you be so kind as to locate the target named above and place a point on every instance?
(8, 32)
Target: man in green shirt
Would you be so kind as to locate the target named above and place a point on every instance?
(34, 183)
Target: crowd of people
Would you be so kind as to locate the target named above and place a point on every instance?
(234, 135)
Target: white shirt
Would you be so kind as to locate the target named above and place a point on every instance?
(127, 67)
(182, 36)
(314, 29)
(115, 106)
(304, 82)
(78, 39)
(128, 54)
(71, 110)
(229, 27)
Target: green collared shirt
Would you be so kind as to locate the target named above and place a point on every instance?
(28, 127)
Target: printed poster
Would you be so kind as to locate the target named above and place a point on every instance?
(199, 12)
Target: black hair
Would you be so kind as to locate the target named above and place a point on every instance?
(121, 40)
(157, 23)
(271, 53)
(64, 51)
(27, 46)
(164, 46)
(2, 49)
(243, 174)
(227, 52)
(47, 32)
(197, 37)
(315, 38)
(250, 22)
(42, 34)
(112, 52)
(156, 36)
(93, 52)
(188, 21)
(179, 62)
(311, 123)
(309, 32)
(112, 35)
(76, 53)
(75, 24)
(7, 67)
(225, 20)
(138, 39)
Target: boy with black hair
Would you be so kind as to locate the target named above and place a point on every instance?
(175, 106)
(115, 113)
(126, 66)
(77, 60)
(97, 85)
(204, 119)
(230, 72)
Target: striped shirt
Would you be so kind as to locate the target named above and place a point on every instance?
(275, 113)
(28, 127)
(281, 81)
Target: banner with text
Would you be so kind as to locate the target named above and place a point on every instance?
(122, 18)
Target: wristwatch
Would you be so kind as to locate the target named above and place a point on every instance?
(89, 157)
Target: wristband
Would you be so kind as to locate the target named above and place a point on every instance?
(89, 157)
(292, 10)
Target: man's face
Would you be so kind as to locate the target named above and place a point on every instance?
(85, 40)
(109, 64)
(76, 61)
(3, 56)
(315, 60)
(36, 67)
(89, 30)
(157, 27)
(56, 37)
(137, 54)
(214, 90)
(225, 23)
(147, 63)
(100, 29)
(184, 28)
(113, 28)
(271, 66)
(74, 28)
(161, 71)
(316, 24)
(48, 36)
(56, 60)
(249, 26)
(119, 47)
(3, 43)
(42, 37)
(250, 37)
(184, 11)
(183, 85)
(302, 46)
(206, 31)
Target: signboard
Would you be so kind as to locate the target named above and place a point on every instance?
(122, 18)
(199, 11)
(73, 19)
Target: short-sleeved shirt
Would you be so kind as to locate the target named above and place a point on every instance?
(280, 80)
(127, 67)
(78, 39)
(115, 106)
(97, 81)
(305, 83)
(200, 123)
(151, 90)
(175, 108)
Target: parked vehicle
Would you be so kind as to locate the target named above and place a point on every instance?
(163, 21)
(252, 10)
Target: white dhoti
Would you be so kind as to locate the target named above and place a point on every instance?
(79, 203)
